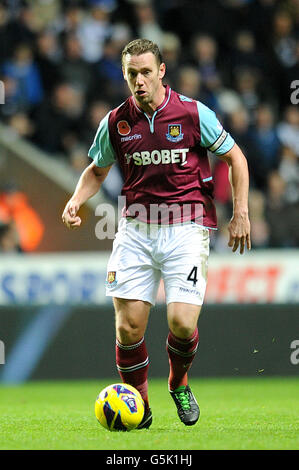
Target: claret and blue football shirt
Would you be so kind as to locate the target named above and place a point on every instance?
(163, 157)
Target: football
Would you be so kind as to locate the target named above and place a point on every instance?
(119, 407)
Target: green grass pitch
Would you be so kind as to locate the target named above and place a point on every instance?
(250, 413)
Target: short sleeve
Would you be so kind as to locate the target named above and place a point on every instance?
(101, 150)
(213, 136)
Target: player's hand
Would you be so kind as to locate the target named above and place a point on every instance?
(239, 232)
(69, 216)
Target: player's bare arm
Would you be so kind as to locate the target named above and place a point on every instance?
(88, 185)
(239, 225)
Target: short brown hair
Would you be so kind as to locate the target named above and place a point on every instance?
(141, 46)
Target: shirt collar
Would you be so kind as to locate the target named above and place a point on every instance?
(162, 105)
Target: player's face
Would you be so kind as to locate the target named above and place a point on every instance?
(144, 77)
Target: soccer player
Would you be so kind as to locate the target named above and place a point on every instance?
(160, 140)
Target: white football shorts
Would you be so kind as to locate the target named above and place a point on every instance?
(144, 253)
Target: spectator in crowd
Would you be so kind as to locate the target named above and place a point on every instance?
(275, 212)
(282, 51)
(190, 84)
(239, 126)
(289, 171)
(68, 22)
(44, 12)
(227, 99)
(281, 215)
(204, 56)
(291, 75)
(113, 184)
(48, 58)
(288, 129)
(4, 21)
(23, 69)
(171, 53)
(74, 69)
(58, 121)
(219, 237)
(246, 83)
(264, 134)
(259, 21)
(20, 217)
(259, 228)
(284, 43)
(78, 159)
(110, 73)
(95, 113)
(22, 125)
(147, 24)
(9, 240)
(93, 32)
(245, 53)
(222, 188)
(22, 27)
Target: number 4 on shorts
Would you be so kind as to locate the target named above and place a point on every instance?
(193, 276)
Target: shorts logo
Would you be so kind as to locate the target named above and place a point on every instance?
(111, 278)
(174, 133)
(123, 127)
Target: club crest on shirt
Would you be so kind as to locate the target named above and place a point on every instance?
(123, 127)
(174, 133)
(111, 278)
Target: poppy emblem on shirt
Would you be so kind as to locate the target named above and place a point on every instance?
(174, 133)
(123, 127)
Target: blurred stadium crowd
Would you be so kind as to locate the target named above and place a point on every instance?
(60, 65)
